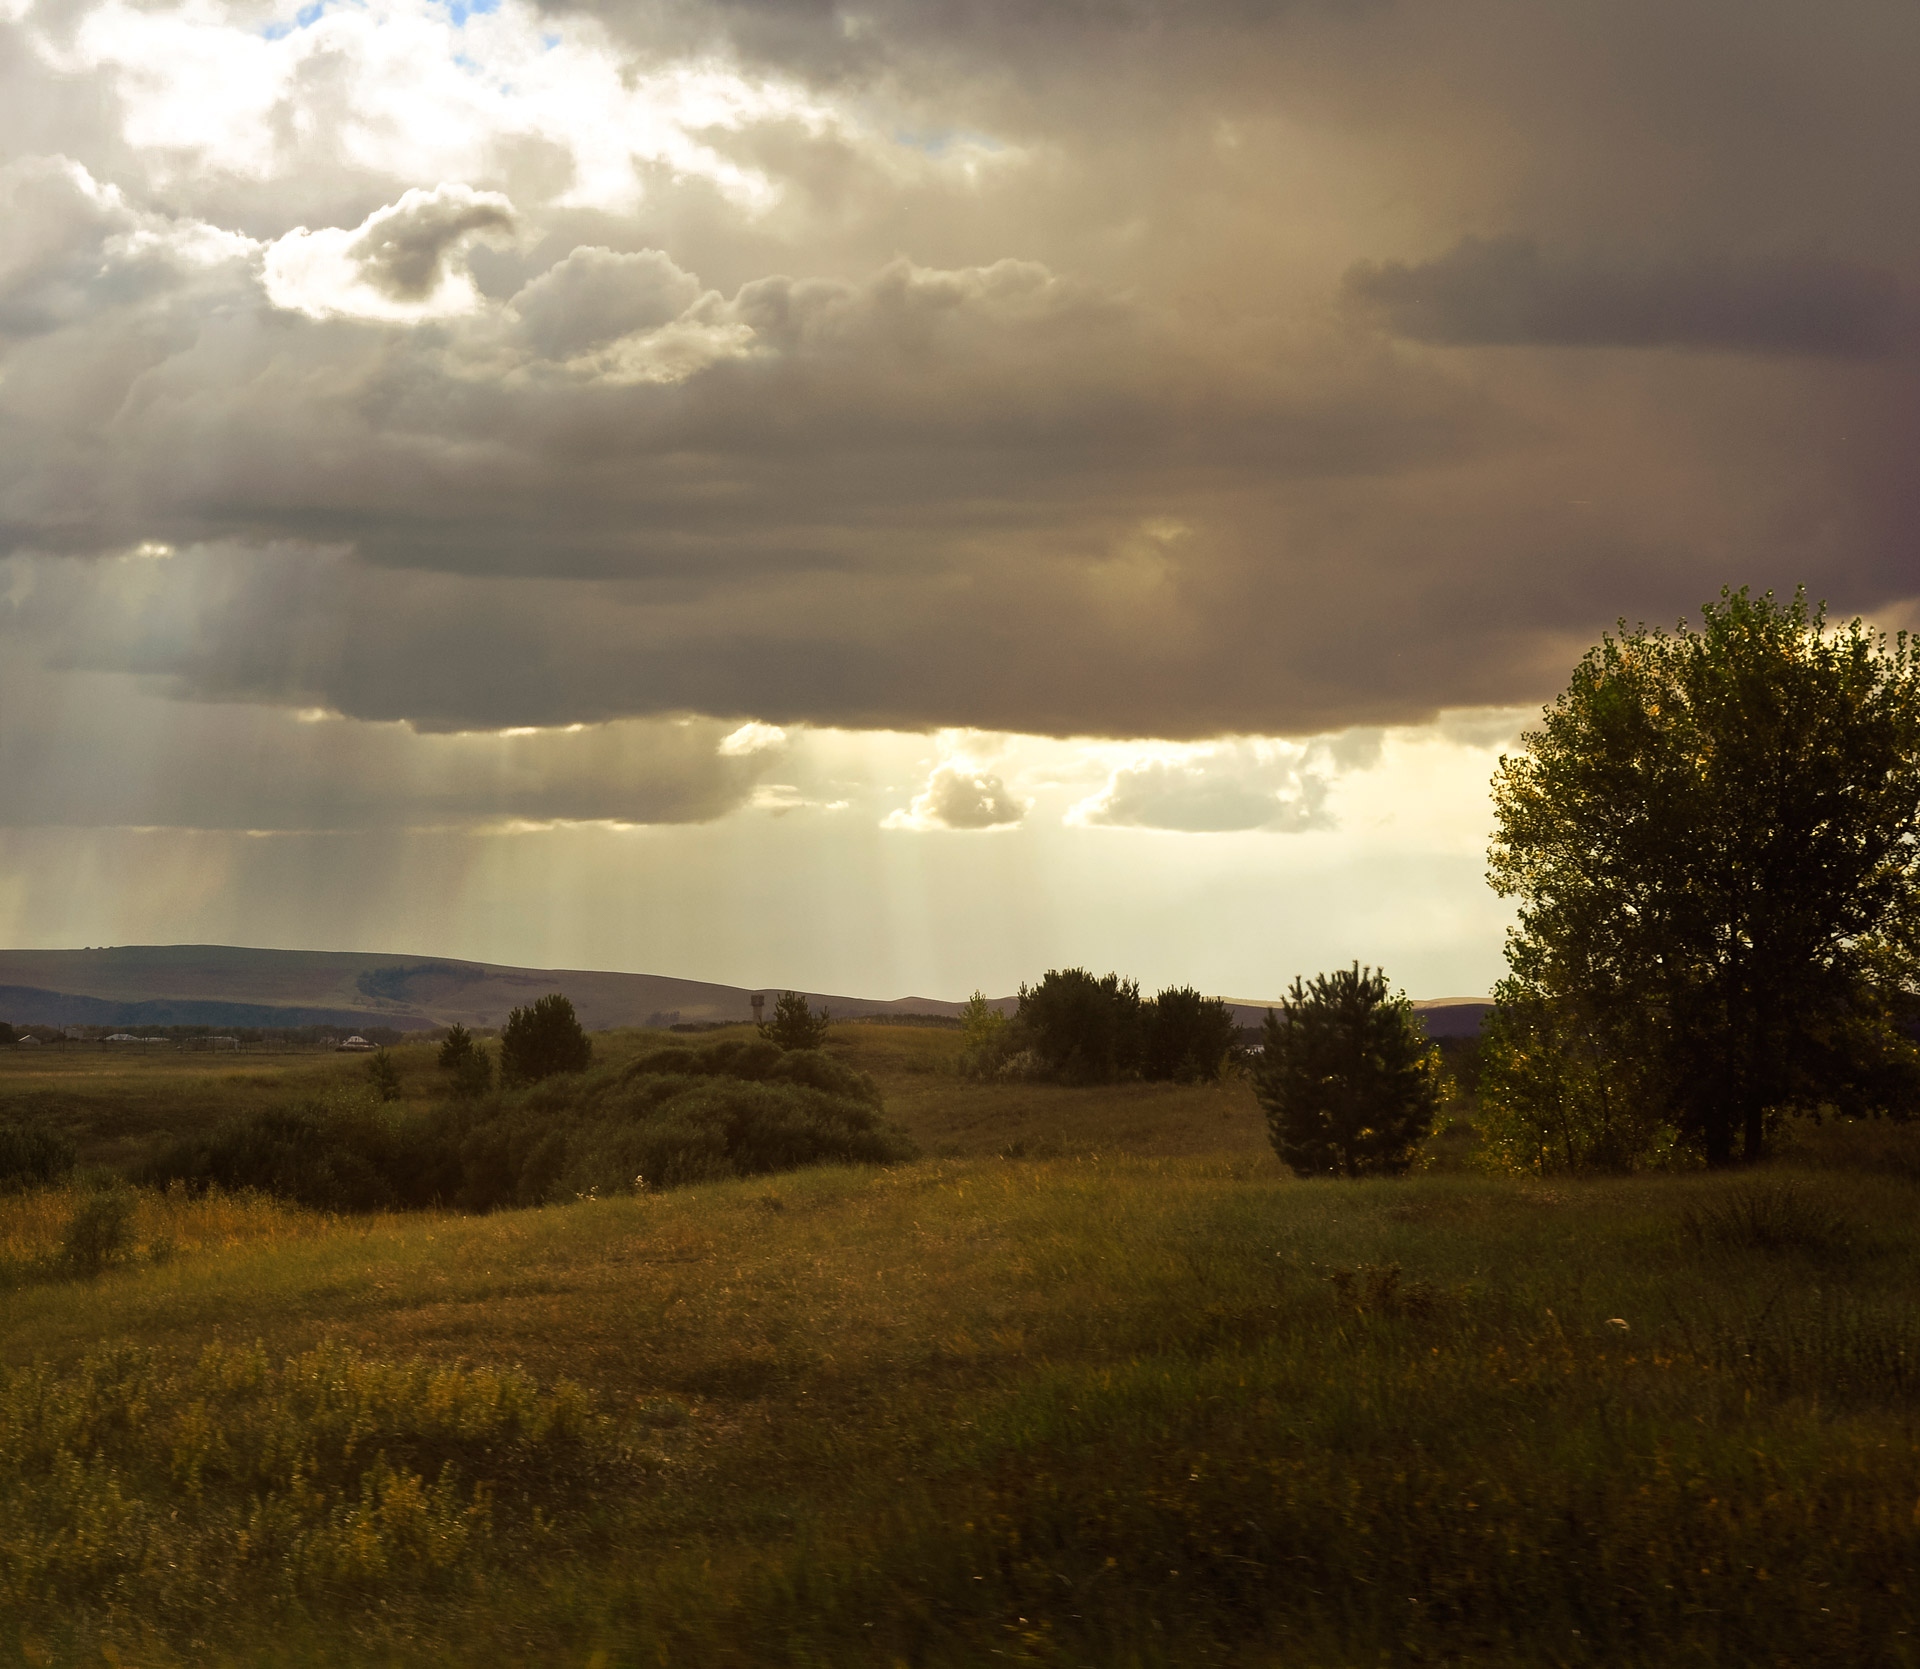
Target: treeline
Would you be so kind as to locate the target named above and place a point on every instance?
(1075, 1028)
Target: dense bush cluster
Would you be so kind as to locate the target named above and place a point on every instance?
(1075, 1028)
(31, 1157)
(671, 1117)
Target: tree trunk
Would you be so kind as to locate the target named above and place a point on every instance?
(1719, 1136)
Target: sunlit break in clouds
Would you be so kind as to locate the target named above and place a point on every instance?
(894, 498)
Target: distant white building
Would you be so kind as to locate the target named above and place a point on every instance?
(353, 1045)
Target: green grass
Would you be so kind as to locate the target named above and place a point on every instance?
(1150, 1407)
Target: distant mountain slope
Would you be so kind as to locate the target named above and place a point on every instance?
(227, 985)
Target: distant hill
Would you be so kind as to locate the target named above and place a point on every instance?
(227, 985)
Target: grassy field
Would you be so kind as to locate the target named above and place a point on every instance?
(1130, 1396)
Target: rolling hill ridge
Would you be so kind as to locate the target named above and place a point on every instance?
(230, 985)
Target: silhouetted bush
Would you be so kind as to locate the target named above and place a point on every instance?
(31, 1157)
(1187, 1036)
(543, 1040)
(345, 1153)
(673, 1116)
(1086, 1030)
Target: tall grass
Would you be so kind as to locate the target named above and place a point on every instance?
(160, 1225)
(1083, 1409)
(1076, 1412)
(129, 1487)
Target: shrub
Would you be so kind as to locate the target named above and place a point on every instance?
(1768, 1218)
(384, 1075)
(1086, 1030)
(31, 1157)
(339, 1154)
(543, 1040)
(1557, 1094)
(794, 1025)
(100, 1232)
(673, 1116)
(1187, 1036)
(982, 1031)
(1348, 1080)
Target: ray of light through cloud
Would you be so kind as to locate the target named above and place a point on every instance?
(895, 500)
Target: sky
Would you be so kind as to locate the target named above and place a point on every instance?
(893, 497)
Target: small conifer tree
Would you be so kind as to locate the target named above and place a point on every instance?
(794, 1025)
(1347, 1078)
(469, 1065)
(384, 1074)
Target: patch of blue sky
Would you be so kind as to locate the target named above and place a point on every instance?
(460, 10)
(940, 141)
(305, 18)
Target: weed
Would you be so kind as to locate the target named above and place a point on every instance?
(1373, 1289)
(1768, 1217)
(125, 1482)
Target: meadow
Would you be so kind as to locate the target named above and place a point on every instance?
(1091, 1382)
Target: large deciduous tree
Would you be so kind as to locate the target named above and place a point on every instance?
(1714, 838)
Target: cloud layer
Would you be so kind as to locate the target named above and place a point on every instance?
(1129, 371)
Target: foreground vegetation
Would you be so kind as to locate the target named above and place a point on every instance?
(1096, 1408)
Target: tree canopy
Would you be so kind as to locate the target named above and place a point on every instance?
(1083, 1028)
(1187, 1036)
(542, 1040)
(1714, 837)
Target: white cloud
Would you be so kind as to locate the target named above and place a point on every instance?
(397, 264)
(752, 737)
(1231, 786)
(410, 90)
(960, 795)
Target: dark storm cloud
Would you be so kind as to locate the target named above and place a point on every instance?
(84, 749)
(1024, 393)
(1503, 292)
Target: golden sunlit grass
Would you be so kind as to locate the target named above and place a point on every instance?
(1124, 1409)
(161, 1224)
